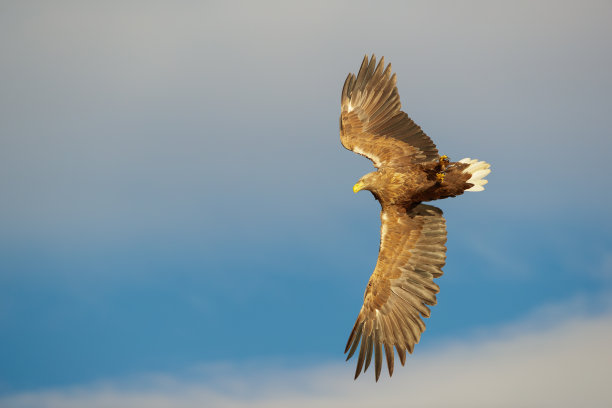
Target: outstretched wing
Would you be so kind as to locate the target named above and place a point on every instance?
(372, 124)
(412, 253)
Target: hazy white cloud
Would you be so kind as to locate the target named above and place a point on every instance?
(126, 109)
(555, 358)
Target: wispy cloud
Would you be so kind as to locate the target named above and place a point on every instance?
(126, 111)
(531, 363)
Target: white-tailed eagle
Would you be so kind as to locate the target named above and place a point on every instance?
(412, 235)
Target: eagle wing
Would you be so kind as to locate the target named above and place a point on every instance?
(372, 124)
(412, 253)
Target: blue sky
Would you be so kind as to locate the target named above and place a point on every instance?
(177, 223)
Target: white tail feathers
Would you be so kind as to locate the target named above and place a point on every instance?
(478, 171)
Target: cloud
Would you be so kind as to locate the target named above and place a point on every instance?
(126, 110)
(555, 358)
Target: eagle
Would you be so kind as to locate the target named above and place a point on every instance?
(412, 247)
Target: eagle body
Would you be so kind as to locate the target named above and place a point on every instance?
(412, 248)
(408, 185)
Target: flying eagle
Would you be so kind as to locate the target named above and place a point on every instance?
(412, 248)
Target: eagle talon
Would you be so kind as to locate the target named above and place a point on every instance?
(440, 177)
(443, 160)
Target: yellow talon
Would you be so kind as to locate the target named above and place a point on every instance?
(440, 177)
(443, 160)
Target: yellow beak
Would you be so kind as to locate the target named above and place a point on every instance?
(358, 186)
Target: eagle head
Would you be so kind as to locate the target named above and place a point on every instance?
(368, 182)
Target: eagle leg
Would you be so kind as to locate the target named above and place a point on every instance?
(443, 162)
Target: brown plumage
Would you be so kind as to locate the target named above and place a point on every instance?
(413, 235)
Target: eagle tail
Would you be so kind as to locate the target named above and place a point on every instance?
(477, 170)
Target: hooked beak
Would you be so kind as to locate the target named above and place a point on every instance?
(358, 186)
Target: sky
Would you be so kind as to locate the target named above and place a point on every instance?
(177, 222)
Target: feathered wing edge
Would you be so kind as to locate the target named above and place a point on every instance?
(401, 288)
(371, 112)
